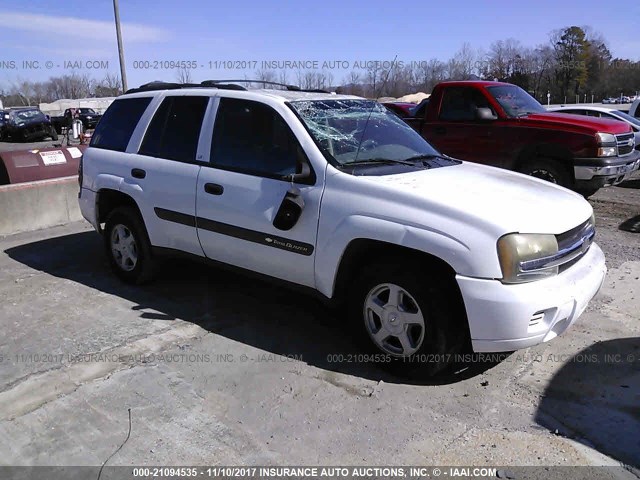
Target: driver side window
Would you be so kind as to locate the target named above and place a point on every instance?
(460, 104)
(250, 137)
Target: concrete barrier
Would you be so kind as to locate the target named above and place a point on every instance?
(36, 205)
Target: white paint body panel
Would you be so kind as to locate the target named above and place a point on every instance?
(455, 213)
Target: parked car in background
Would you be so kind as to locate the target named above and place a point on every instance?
(406, 109)
(604, 112)
(634, 109)
(500, 124)
(26, 124)
(609, 100)
(403, 109)
(425, 254)
(4, 117)
(88, 116)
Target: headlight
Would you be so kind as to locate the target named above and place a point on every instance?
(515, 249)
(608, 145)
(605, 138)
(607, 151)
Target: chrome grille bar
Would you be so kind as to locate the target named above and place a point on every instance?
(578, 247)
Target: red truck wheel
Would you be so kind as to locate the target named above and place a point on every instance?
(549, 170)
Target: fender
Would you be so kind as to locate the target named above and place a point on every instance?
(329, 254)
(104, 180)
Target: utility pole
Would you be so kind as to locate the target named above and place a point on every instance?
(123, 71)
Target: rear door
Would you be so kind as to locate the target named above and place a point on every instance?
(240, 193)
(163, 171)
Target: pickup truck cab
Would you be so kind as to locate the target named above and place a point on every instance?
(500, 124)
(338, 196)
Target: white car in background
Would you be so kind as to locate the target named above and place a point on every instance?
(604, 112)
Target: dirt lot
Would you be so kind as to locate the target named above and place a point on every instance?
(218, 369)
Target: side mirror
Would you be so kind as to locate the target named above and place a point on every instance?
(290, 210)
(303, 171)
(485, 114)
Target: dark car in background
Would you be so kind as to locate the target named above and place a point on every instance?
(26, 124)
(4, 117)
(88, 116)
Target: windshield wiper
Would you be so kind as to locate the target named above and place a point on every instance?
(424, 156)
(385, 161)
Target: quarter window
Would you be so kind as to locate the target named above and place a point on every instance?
(118, 123)
(175, 129)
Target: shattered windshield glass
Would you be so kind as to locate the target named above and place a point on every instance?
(24, 115)
(355, 130)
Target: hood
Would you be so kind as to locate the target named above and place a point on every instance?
(489, 198)
(583, 122)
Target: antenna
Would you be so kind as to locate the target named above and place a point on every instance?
(393, 64)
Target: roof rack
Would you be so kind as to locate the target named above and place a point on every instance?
(158, 85)
(291, 88)
(221, 84)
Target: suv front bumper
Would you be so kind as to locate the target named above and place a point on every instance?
(601, 172)
(505, 318)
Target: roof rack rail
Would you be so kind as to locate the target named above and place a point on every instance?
(221, 84)
(291, 88)
(158, 85)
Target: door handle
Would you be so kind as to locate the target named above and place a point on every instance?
(213, 188)
(440, 130)
(138, 173)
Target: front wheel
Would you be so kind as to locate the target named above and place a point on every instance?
(413, 317)
(53, 134)
(127, 246)
(550, 170)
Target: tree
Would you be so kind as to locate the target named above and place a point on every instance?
(571, 50)
(109, 86)
(183, 75)
(503, 59)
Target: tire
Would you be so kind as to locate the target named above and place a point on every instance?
(127, 246)
(550, 170)
(54, 134)
(428, 299)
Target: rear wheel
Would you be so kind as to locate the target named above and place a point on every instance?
(550, 170)
(127, 246)
(412, 317)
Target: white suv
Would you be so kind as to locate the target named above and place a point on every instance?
(427, 254)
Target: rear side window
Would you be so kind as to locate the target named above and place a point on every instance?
(175, 129)
(118, 123)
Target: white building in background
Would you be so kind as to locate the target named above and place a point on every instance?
(59, 106)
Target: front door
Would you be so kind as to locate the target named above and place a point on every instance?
(239, 194)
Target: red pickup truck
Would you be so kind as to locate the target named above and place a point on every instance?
(500, 124)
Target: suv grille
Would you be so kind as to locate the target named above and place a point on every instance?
(572, 245)
(626, 143)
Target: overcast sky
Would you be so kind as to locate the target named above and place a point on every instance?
(53, 32)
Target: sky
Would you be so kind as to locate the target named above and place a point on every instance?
(233, 39)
